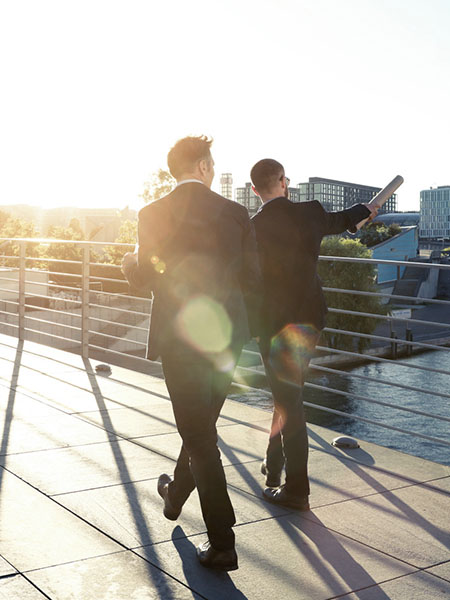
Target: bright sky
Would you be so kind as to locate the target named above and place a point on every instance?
(95, 92)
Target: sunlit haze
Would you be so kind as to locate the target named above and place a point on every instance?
(95, 92)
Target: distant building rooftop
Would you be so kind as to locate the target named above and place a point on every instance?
(403, 218)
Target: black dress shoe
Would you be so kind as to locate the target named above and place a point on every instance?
(222, 560)
(272, 479)
(170, 511)
(283, 498)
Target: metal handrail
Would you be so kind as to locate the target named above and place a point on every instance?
(385, 339)
(383, 295)
(374, 358)
(88, 301)
(388, 317)
(118, 323)
(380, 261)
(115, 337)
(377, 380)
(355, 417)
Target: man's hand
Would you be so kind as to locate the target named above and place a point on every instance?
(373, 211)
(129, 259)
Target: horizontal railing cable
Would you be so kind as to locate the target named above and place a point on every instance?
(356, 417)
(52, 323)
(386, 339)
(82, 243)
(10, 324)
(389, 296)
(122, 354)
(53, 311)
(389, 318)
(122, 310)
(60, 286)
(372, 422)
(53, 335)
(358, 397)
(368, 357)
(377, 380)
(109, 279)
(44, 259)
(374, 358)
(54, 273)
(379, 261)
(53, 298)
(115, 337)
(9, 291)
(106, 322)
(11, 314)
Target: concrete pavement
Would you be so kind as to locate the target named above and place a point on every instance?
(80, 516)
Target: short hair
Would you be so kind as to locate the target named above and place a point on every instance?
(187, 152)
(265, 174)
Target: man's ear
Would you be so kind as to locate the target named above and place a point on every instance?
(203, 166)
(255, 190)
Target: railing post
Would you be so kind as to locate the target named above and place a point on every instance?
(409, 338)
(22, 249)
(85, 302)
(394, 346)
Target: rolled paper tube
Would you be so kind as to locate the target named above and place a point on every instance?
(382, 196)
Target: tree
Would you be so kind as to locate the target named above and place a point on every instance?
(17, 228)
(4, 216)
(66, 252)
(160, 184)
(376, 232)
(349, 276)
(127, 235)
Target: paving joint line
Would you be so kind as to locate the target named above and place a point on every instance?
(368, 587)
(109, 536)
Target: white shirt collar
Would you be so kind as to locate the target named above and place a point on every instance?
(189, 181)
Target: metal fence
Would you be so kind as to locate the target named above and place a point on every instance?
(84, 306)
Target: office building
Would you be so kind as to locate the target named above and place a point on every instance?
(435, 213)
(226, 185)
(247, 197)
(337, 195)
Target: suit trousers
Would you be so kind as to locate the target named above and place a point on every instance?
(198, 388)
(288, 443)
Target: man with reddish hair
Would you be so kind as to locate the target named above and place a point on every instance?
(197, 253)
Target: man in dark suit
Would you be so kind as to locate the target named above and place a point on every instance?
(293, 313)
(197, 253)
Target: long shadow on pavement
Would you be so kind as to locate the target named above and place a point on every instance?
(131, 492)
(10, 408)
(335, 565)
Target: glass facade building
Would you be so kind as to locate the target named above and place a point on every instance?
(337, 195)
(247, 197)
(226, 185)
(435, 213)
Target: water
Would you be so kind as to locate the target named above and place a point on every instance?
(430, 403)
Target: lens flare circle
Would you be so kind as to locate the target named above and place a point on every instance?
(205, 325)
(290, 351)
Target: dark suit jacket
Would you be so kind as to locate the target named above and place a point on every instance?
(194, 243)
(289, 236)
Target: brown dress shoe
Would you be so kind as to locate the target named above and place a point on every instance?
(283, 498)
(170, 511)
(272, 479)
(222, 560)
